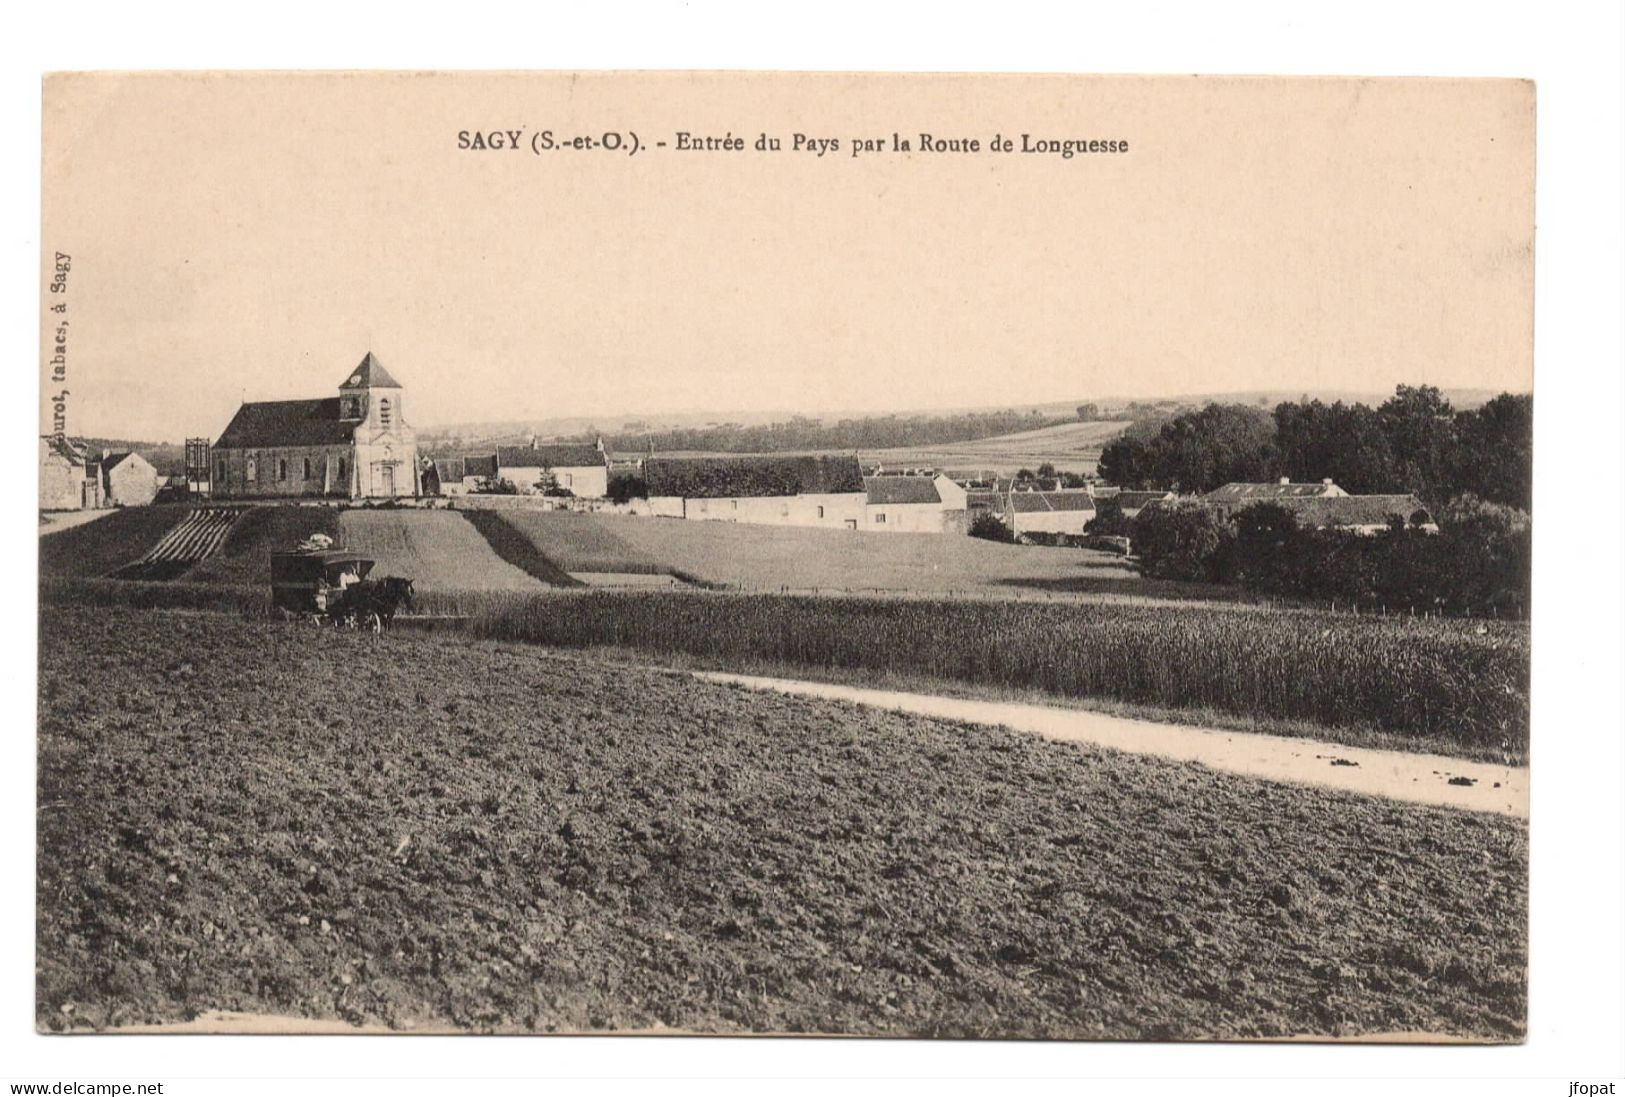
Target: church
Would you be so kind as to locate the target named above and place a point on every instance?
(356, 445)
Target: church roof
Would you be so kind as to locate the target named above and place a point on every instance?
(287, 423)
(370, 374)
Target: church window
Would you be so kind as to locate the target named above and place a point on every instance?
(343, 472)
(282, 469)
(307, 468)
(252, 470)
(383, 412)
(221, 471)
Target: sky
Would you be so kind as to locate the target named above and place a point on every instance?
(253, 236)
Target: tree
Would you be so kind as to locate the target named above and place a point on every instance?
(1088, 413)
(1196, 451)
(1347, 443)
(1420, 425)
(1267, 548)
(1495, 452)
(1183, 541)
(989, 528)
(623, 489)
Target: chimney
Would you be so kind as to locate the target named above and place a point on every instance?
(1286, 479)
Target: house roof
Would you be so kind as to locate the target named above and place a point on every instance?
(901, 489)
(287, 423)
(1037, 502)
(1269, 491)
(740, 477)
(550, 457)
(74, 451)
(1331, 512)
(1132, 499)
(449, 469)
(369, 374)
(480, 465)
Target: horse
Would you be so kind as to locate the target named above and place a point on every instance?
(372, 601)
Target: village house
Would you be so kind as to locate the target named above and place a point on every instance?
(356, 445)
(128, 479)
(1066, 511)
(790, 491)
(70, 476)
(582, 470)
(459, 475)
(913, 504)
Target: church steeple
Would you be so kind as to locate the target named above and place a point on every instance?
(370, 374)
(356, 398)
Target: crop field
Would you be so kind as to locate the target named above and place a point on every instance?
(1071, 447)
(233, 817)
(245, 557)
(772, 558)
(107, 544)
(437, 549)
(1454, 686)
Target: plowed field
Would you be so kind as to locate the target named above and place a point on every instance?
(232, 817)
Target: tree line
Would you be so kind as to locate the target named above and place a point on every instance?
(1478, 562)
(1413, 442)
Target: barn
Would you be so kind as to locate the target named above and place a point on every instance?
(787, 491)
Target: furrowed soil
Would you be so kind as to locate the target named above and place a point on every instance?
(426, 830)
(436, 549)
(245, 556)
(107, 544)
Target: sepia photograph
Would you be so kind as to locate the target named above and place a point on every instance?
(986, 557)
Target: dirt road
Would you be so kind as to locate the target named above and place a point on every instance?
(1399, 775)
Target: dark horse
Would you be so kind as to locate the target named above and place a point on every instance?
(372, 603)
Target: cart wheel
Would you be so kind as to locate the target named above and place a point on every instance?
(375, 623)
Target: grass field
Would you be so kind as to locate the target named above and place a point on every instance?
(437, 549)
(233, 817)
(755, 557)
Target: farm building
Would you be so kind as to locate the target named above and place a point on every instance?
(69, 475)
(582, 470)
(128, 480)
(458, 475)
(1283, 488)
(913, 504)
(1065, 511)
(1130, 503)
(356, 445)
(1330, 507)
(791, 491)
(1361, 513)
